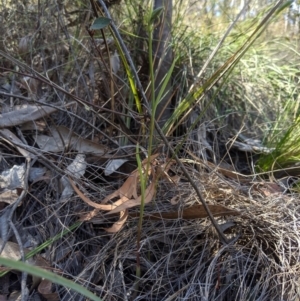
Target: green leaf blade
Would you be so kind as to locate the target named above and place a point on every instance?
(32, 270)
(100, 23)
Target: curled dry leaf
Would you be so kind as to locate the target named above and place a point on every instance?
(12, 183)
(87, 217)
(88, 201)
(9, 196)
(129, 188)
(125, 193)
(149, 194)
(117, 226)
(77, 169)
(113, 165)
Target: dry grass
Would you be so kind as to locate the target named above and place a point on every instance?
(180, 259)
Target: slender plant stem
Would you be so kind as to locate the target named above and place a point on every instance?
(222, 237)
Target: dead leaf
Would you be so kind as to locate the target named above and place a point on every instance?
(88, 201)
(128, 189)
(15, 296)
(9, 196)
(113, 165)
(175, 200)
(63, 137)
(25, 113)
(45, 289)
(149, 194)
(117, 226)
(76, 169)
(12, 251)
(193, 212)
(125, 193)
(14, 140)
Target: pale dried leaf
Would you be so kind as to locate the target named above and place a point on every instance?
(78, 166)
(25, 45)
(36, 173)
(15, 296)
(113, 165)
(63, 137)
(23, 114)
(149, 194)
(9, 196)
(88, 201)
(11, 250)
(77, 169)
(117, 226)
(13, 139)
(13, 177)
(175, 200)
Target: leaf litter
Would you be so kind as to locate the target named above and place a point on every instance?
(175, 225)
(180, 253)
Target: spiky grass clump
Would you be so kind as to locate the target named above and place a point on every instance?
(286, 155)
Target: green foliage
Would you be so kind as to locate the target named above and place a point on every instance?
(100, 23)
(38, 272)
(286, 153)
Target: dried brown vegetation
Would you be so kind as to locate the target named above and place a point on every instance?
(68, 154)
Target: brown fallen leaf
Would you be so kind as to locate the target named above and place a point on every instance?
(117, 226)
(149, 194)
(127, 195)
(45, 289)
(88, 201)
(193, 212)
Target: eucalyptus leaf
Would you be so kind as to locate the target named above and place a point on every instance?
(100, 23)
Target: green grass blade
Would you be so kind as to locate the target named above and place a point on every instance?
(165, 83)
(38, 272)
(47, 243)
(196, 94)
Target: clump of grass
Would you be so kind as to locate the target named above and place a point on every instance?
(287, 151)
